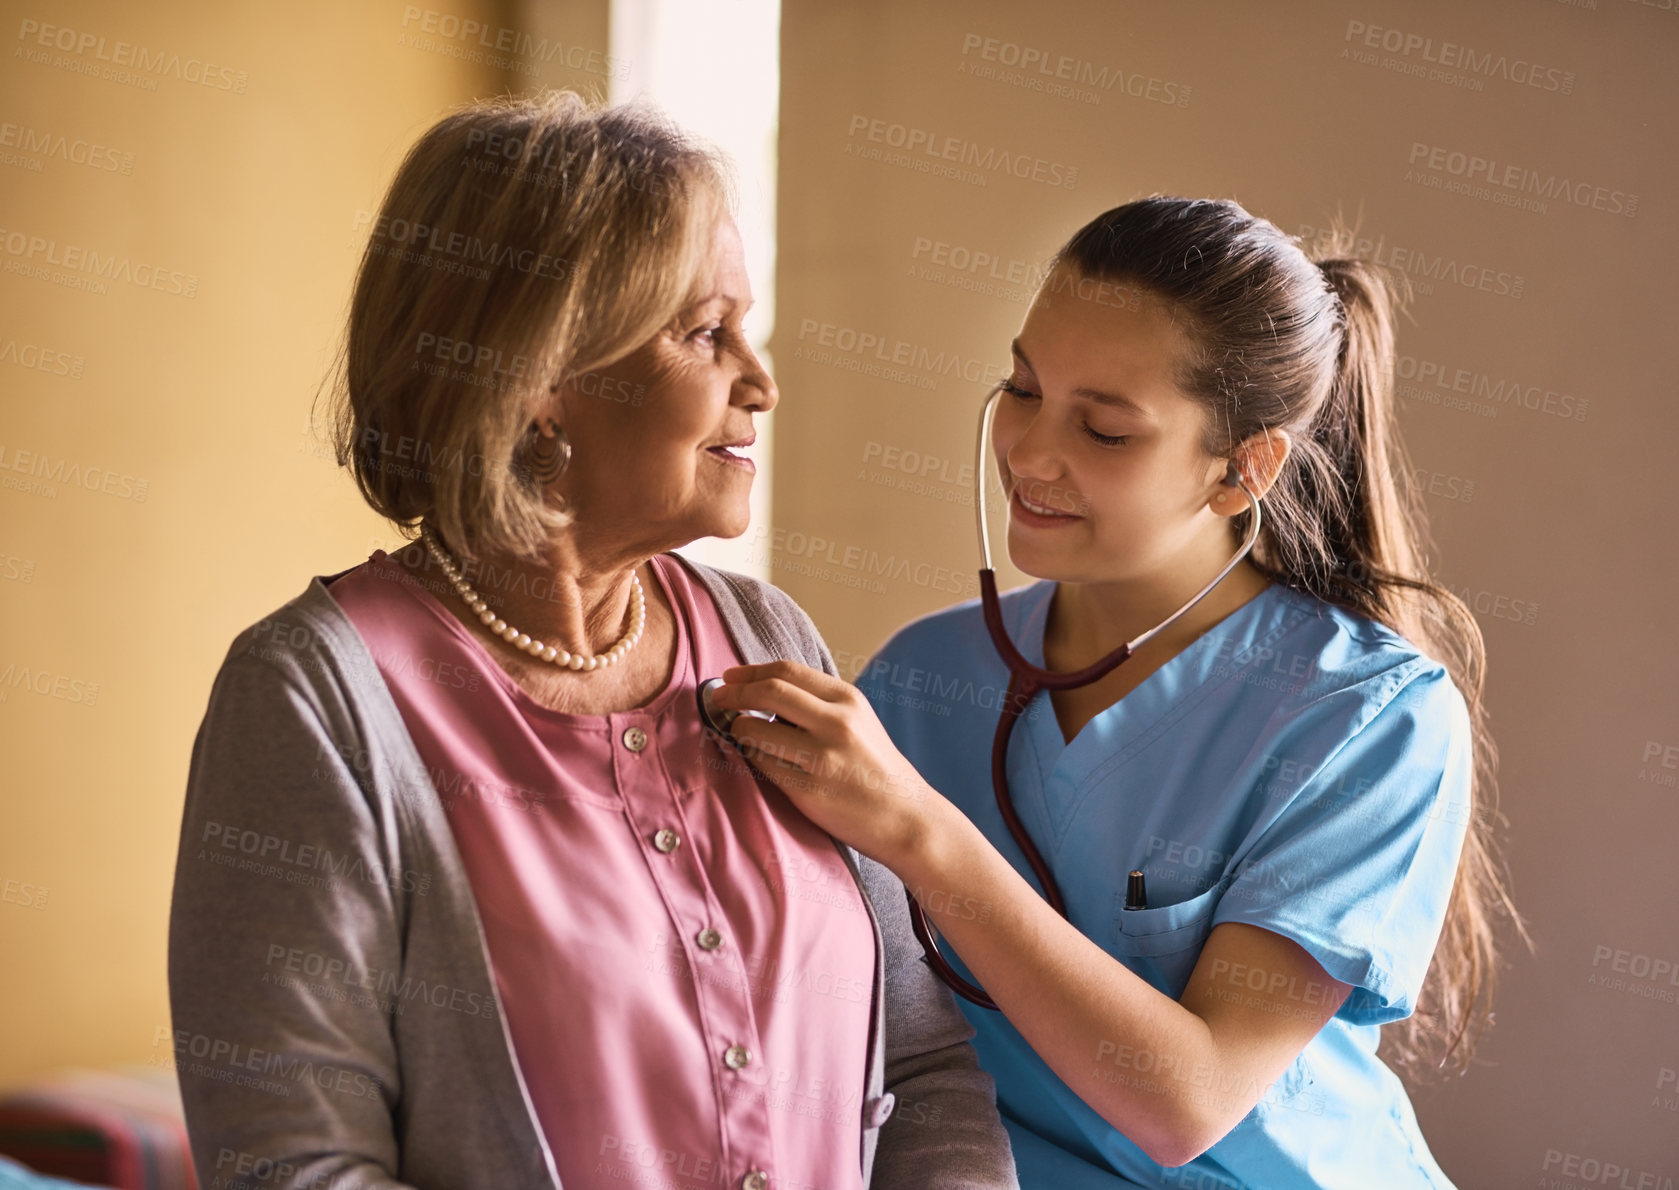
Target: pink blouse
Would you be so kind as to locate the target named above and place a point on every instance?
(685, 960)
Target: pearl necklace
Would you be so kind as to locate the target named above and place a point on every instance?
(522, 640)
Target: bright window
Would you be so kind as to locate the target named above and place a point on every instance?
(714, 66)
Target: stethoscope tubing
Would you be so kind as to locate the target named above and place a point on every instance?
(1026, 681)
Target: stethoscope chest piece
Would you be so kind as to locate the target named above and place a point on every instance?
(720, 719)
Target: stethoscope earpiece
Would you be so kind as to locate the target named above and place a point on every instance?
(1026, 680)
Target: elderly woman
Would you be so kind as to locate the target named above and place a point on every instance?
(466, 895)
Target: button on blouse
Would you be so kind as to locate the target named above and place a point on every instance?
(685, 961)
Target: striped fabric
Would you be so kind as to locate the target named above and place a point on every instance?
(111, 1128)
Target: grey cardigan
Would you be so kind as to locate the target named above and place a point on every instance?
(336, 1022)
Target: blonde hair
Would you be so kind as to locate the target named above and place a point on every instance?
(523, 244)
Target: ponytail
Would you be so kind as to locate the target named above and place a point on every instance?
(1377, 536)
(1283, 341)
(1333, 523)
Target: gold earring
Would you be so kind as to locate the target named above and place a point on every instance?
(1220, 498)
(545, 459)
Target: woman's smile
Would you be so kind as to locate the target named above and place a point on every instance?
(724, 453)
(1030, 512)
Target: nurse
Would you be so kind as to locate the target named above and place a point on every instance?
(1295, 765)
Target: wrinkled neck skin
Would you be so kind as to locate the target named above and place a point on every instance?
(577, 597)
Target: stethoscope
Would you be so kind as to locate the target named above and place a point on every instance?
(1025, 682)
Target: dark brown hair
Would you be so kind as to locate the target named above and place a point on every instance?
(1284, 341)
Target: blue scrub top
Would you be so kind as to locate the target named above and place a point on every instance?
(1297, 767)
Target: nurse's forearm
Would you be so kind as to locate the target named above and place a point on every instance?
(1148, 1065)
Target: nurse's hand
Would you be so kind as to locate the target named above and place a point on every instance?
(831, 756)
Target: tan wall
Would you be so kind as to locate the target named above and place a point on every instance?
(192, 496)
(1558, 528)
(205, 400)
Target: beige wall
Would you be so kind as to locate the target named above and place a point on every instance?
(191, 495)
(1557, 527)
(119, 605)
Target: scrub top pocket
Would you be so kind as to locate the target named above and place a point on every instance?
(1163, 942)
